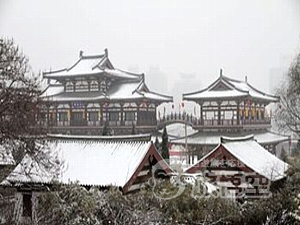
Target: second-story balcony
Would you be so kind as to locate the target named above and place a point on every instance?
(197, 123)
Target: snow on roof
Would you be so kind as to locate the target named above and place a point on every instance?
(156, 96)
(122, 74)
(84, 65)
(177, 130)
(99, 163)
(127, 86)
(133, 137)
(215, 94)
(202, 138)
(118, 91)
(231, 89)
(253, 155)
(91, 65)
(52, 90)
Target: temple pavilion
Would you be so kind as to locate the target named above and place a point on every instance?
(92, 96)
(233, 108)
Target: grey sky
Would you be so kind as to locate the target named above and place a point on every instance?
(184, 42)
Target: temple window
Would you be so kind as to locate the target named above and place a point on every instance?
(113, 116)
(103, 86)
(130, 114)
(93, 114)
(69, 87)
(82, 86)
(108, 84)
(114, 112)
(94, 86)
(63, 116)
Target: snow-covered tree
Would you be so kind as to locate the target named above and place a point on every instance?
(288, 113)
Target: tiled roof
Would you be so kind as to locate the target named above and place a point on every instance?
(203, 138)
(233, 89)
(253, 155)
(118, 91)
(90, 162)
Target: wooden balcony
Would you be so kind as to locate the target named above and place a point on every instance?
(199, 124)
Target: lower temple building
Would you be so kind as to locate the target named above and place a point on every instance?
(125, 162)
(242, 166)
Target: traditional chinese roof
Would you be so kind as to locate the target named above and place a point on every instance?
(125, 85)
(225, 88)
(90, 163)
(134, 90)
(213, 138)
(91, 65)
(252, 155)
(129, 137)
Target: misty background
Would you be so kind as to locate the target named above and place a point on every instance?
(179, 45)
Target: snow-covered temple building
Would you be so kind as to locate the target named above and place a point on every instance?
(126, 162)
(231, 108)
(93, 94)
(242, 166)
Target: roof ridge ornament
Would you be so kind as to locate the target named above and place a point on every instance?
(221, 72)
(106, 52)
(246, 79)
(80, 53)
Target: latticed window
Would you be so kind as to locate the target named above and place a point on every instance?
(93, 116)
(113, 116)
(103, 86)
(82, 86)
(151, 107)
(94, 86)
(69, 87)
(130, 116)
(63, 116)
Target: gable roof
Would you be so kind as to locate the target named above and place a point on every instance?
(252, 155)
(95, 163)
(227, 88)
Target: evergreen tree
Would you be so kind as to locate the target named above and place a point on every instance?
(164, 145)
(106, 131)
(133, 131)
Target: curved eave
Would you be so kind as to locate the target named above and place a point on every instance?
(105, 73)
(104, 98)
(63, 76)
(126, 76)
(199, 99)
(267, 99)
(72, 99)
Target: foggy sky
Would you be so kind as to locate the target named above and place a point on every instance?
(179, 45)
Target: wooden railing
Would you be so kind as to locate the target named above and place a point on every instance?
(197, 123)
